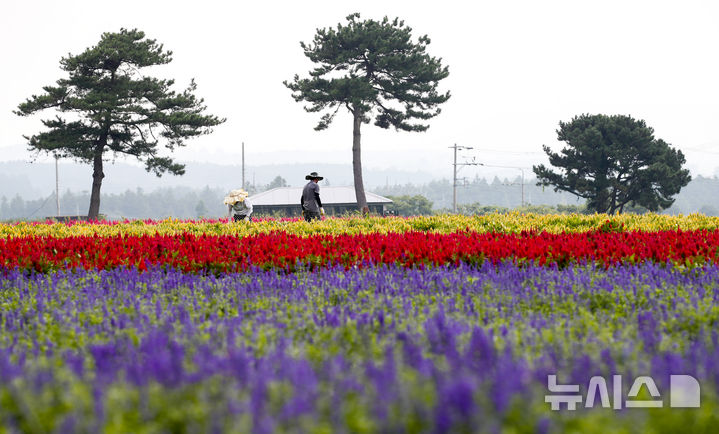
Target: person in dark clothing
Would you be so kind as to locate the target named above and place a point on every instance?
(310, 200)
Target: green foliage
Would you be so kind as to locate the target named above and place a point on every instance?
(570, 209)
(278, 214)
(276, 183)
(410, 205)
(478, 199)
(614, 162)
(611, 226)
(201, 209)
(479, 209)
(371, 66)
(119, 108)
(107, 104)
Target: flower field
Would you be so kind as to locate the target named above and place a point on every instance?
(441, 324)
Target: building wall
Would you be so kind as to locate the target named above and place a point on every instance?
(296, 211)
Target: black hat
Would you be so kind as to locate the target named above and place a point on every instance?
(314, 175)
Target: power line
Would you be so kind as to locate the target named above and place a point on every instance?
(41, 206)
(454, 178)
(504, 151)
(521, 169)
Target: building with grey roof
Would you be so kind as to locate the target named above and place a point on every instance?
(285, 201)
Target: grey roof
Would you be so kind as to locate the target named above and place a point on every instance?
(328, 195)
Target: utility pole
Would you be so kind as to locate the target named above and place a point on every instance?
(454, 180)
(243, 165)
(454, 176)
(57, 186)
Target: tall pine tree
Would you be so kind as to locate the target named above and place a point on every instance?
(107, 105)
(374, 70)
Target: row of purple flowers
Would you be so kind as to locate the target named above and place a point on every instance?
(381, 348)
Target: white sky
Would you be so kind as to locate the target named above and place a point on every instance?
(516, 69)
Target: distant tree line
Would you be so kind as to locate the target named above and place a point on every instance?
(497, 192)
(178, 202)
(701, 194)
(476, 198)
(479, 209)
(419, 205)
(407, 205)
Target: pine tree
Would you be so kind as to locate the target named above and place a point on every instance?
(107, 105)
(614, 162)
(373, 69)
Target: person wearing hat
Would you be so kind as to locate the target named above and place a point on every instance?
(310, 200)
(238, 205)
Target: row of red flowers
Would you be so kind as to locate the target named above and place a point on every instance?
(190, 252)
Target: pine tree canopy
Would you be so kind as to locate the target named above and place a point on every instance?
(107, 104)
(372, 66)
(614, 162)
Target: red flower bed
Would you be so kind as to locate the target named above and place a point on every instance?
(190, 252)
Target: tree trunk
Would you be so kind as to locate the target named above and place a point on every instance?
(613, 204)
(357, 162)
(97, 175)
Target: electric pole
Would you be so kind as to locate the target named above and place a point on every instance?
(243, 165)
(454, 180)
(454, 175)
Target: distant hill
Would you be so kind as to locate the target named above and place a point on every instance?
(34, 180)
(129, 191)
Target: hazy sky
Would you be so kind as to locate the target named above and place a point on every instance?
(516, 69)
